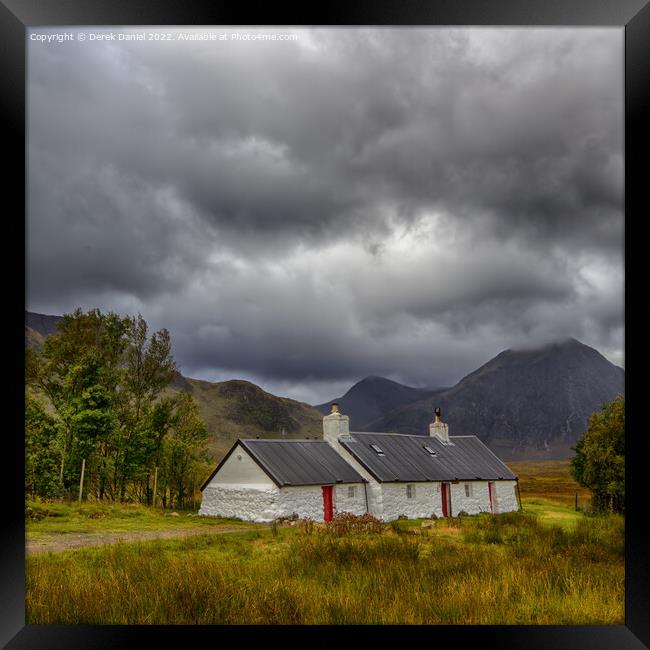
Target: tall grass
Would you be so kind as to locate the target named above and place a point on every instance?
(506, 569)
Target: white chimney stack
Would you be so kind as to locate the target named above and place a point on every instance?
(335, 425)
(438, 428)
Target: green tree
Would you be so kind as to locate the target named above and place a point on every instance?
(148, 368)
(103, 377)
(184, 452)
(599, 463)
(78, 371)
(41, 453)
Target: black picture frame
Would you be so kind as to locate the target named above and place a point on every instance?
(631, 15)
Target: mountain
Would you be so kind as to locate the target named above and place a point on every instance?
(37, 327)
(531, 403)
(230, 409)
(41, 324)
(373, 398)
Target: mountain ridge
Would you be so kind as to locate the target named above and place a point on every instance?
(532, 402)
(527, 402)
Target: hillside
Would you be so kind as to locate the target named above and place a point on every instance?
(37, 327)
(240, 409)
(41, 324)
(522, 403)
(230, 409)
(374, 397)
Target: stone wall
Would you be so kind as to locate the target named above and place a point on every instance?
(478, 500)
(506, 496)
(424, 502)
(356, 504)
(260, 504)
(263, 503)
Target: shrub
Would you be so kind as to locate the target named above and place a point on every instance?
(344, 523)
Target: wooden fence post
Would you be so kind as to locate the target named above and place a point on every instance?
(155, 484)
(81, 482)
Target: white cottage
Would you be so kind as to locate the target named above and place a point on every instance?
(388, 475)
(260, 480)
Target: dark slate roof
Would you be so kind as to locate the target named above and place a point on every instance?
(297, 462)
(405, 458)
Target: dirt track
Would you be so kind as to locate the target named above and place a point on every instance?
(70, 542)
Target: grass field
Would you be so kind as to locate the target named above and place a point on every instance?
(549, 564)
(53, 521)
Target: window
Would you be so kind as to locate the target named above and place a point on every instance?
(378, 449)
(410, 491)
(468, 490)
(352, 491)
(430, 450)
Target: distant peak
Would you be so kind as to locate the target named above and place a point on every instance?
(569, 342)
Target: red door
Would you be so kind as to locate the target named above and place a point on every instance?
(327, 502)
(493, 497)
(446, 501)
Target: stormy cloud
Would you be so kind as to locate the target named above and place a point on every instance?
(303, 213)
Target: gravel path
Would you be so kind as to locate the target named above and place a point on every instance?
(70, 542)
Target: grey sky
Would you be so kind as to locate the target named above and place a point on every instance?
(399, 202)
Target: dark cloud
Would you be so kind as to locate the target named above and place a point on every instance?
(404, 202)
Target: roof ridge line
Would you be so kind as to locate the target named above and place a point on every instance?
(279, 440)
(388, 433)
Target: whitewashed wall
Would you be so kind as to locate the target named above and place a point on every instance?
(304, 501)
(478, 501)
(241, 469)
(506, 496)
(343, 503)
(260, 504)
(307, 501)
(241, 489)
(428, 499)
(396, 503)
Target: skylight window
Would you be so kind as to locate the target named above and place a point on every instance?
(378, 449)
(430, 450)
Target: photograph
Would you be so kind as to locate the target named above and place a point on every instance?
(326, 326)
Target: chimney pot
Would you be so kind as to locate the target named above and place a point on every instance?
(438, 428)
(335, 425)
